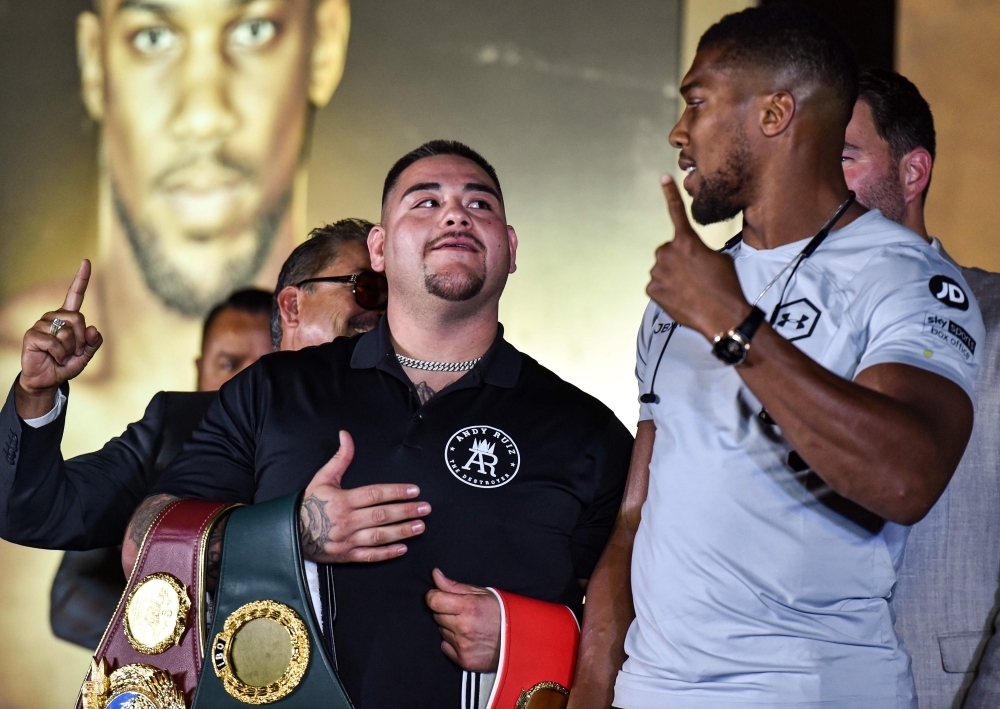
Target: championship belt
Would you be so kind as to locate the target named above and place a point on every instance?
(538, 643)
(151, 653)
(265, 642)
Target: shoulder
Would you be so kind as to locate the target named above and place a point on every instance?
(879, 261)
(570, 403)
(294, 364)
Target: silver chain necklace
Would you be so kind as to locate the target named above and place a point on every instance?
(437, 366)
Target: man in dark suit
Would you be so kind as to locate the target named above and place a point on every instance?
(945, 599)
(84, 503)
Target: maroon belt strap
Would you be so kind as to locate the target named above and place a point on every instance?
(155, 643)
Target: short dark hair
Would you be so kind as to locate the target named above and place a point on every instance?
(791, 38)
(310, 258)
(249, 300)
(902, 116)
(432, 149)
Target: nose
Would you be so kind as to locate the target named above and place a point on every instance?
(679, 137)
(204, 111)
(456, 215)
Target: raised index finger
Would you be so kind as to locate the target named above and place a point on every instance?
(78, 288)
(675, 205)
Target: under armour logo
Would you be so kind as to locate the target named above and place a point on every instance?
(799, 324)
(481, 450)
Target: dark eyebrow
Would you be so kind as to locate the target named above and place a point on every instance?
(421, 186)
(690, 86)
(158, 8)
(480, 187)
(850, 146)
(161, 9)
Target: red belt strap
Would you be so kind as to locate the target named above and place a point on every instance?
(538, 643)
(175, 545)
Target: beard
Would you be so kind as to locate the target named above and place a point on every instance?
(180, 290)
(723, 195)
(455, 286)
(885, 195)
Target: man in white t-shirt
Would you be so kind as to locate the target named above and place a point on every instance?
(806, 394)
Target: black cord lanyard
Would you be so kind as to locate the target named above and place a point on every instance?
(808, 250)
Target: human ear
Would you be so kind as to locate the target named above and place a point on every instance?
(329, 51)
(777, 113)
(512, 241)
(89, 57)
(288, 307)
(376, 248)
(915, 173)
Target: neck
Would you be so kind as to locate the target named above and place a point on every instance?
(913, 218)
(438, 337)
(795, 199)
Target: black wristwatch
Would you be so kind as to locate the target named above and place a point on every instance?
(731, 347)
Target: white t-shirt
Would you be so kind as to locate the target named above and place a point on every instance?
(748, 590)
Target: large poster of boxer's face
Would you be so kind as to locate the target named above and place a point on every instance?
(186, 146)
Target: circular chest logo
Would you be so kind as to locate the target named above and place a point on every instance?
(482, 456)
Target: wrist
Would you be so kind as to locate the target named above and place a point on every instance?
(725, 318)
(31, 403)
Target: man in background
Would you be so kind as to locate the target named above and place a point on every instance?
(84, 503)
(205, 109)
(946, 594)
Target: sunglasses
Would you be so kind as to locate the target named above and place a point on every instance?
(371, 290)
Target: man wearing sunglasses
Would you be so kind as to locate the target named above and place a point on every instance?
(323, 294)
(84, 503)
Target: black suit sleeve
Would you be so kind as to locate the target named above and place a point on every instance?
(218, 460)
(82, 503)
(610, 454)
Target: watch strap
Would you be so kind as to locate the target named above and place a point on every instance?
(748, 328)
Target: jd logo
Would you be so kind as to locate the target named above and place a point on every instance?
(949, 292)
(796, 320)
(482, 456)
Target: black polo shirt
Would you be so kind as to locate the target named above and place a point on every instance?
(525, 474)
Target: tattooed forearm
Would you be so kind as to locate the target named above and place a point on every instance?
(424, 392)
(142, 520)
(314, 526)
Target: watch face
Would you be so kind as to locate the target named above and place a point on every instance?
(729, 350)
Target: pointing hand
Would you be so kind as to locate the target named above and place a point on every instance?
(694, 285)
(54, 353)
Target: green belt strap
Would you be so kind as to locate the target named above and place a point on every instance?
(265, 645)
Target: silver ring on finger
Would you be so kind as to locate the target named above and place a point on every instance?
(56, 326)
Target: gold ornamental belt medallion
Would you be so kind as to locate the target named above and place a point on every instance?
(156, 613)
(262, 652)
(130, 687)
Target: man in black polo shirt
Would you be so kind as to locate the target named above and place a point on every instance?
(524, 472)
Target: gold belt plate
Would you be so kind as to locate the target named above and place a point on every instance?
(262, 652)
(130, 687)
(156, 613)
